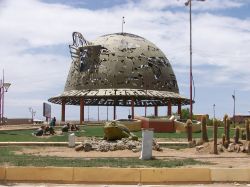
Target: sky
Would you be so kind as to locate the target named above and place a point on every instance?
(35, 35)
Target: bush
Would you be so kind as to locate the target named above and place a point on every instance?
(219, 122)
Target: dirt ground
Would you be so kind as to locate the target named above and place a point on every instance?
(222, 160)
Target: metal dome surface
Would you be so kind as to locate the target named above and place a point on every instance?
(115, 67)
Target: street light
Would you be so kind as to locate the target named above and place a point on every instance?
(123, 22)
(33, 113)
(4, 86)
(233, 96)
(189, 3)
(214, 110)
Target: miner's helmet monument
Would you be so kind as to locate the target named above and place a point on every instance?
(119, 69)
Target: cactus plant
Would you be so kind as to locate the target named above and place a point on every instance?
(204, 129)
(243, 134)
(247, 130)
(215, 124)
(188, 127)
(223, 140)
(228, 130)
(237, 135)
(248, 143)
(224, 122)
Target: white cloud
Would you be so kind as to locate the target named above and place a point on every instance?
(206, 5)
(218, 4)
(218, 41)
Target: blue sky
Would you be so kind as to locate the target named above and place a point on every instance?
(35, 35)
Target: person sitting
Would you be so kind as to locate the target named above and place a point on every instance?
(46, 130)
(65, 128)
(77, 128)
(50, 130)
(39, 132)
(74, 128)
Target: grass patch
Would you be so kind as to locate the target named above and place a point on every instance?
(26, 136)
(8, 157)
(91, 131)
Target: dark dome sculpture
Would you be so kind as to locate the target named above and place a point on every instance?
(117, 67)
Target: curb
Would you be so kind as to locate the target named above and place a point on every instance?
(123, 175)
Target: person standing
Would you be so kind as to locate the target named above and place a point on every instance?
(54, 121)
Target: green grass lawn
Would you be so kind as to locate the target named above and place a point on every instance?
(26, 136)
(90, 131)
(8, 157)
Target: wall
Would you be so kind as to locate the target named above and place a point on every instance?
(159, 125)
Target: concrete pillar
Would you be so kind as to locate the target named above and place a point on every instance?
(81, 110)
(147, 141)
(156, 111)
(132, 108)
(179, 108)
(145, 111)
(63, 110)
(72, 140)
(169, 108)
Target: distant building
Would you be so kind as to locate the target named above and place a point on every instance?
(240, 118)
(199, 116)
(18, 121)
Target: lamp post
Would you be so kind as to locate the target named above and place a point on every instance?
(214, 110)
(189, 3)
(4, 86)
(123, 22)
(33, 113)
